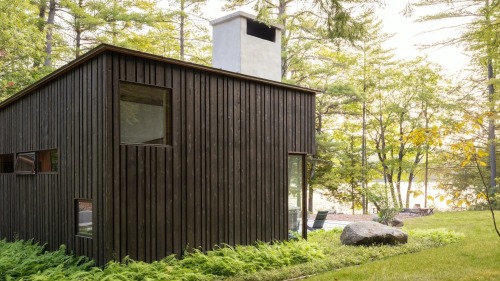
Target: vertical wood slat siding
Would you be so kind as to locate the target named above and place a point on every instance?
(223, 180)
(66, 114)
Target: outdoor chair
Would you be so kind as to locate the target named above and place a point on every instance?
(319, 221)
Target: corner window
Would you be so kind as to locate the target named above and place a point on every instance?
(6, 163)
(25, 163)
(47, 161)
(84, 217)
(144, 114)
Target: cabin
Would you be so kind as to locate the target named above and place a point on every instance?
(123, 153)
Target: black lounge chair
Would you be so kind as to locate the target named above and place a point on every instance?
(319, 221)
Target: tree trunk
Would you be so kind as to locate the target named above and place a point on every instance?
(284, 59)
(491, 92)
(49, 35)
(181, 30)
(41, 25)
(310, 199)
(410, 181)
(364, 186)
(491, 129)
(426, 176)
(78, 31)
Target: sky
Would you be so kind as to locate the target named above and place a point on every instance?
(408, 37)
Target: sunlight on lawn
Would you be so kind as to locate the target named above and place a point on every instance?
(476, 257)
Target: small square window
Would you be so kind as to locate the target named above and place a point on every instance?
(6, 163)
(47, 161)
(25, 163)
(84, 217)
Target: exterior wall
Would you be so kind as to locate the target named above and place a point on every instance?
(67, 114)
(223, 179)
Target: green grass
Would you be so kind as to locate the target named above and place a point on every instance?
(23, 260)
(476, 257)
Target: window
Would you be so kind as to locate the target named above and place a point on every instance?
(25, 163)
(144, 114)
(47, 161)
(6, 163)
(84, 217)
(296, 193)
(261, 30)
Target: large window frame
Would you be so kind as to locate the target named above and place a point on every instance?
(167, 111)
(303, 189)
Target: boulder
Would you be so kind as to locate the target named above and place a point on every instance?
(397, 223)
(369, 233)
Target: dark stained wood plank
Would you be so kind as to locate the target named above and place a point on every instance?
(237, 162)
(131, 202)
(162, 215)
(229, 160)
(221, 202)
(177, 160)
(141, 200)
(214, 191)
(147, 204)
(197, 158)
(189, 143)
(259, 196)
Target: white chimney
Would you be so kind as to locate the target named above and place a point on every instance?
(242, 44)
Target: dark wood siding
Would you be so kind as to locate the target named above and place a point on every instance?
(67, 114)
(224, 178)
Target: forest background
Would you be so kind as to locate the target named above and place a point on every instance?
(379, 118)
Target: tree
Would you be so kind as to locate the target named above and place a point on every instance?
(21, 46)
(192, 34)
(372, 58)
(331, 169)
(398, 129)
(480, 35)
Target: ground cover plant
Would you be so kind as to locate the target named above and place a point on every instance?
(23, 260)
(475, 257)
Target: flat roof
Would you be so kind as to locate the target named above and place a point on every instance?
(106, 47)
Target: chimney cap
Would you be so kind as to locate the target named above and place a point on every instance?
(241, 14)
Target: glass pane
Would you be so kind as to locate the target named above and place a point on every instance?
(6, 163)
(47, 161)
(295, 181)
(143, 114)
(84, 217)
(25, 162)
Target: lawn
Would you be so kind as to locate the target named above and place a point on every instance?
(476, 257)
(430, 254)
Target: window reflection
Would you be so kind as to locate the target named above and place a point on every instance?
(295, 182)
(144, 114)
(84, 217)
(48, 161)
(25, 163)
